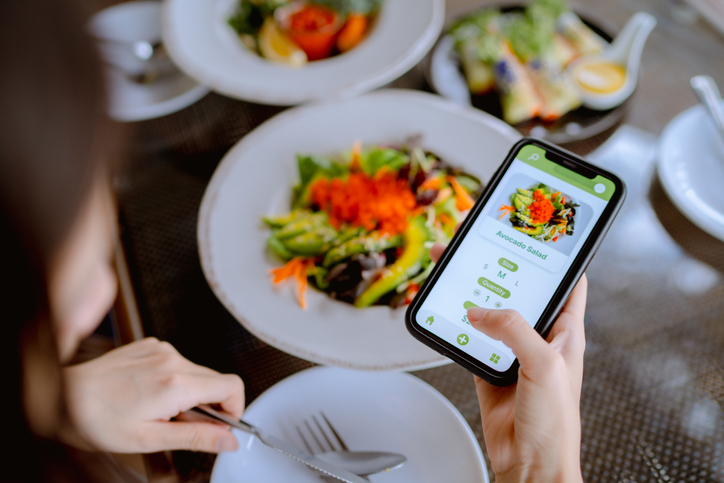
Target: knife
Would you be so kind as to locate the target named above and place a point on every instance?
(281, 446)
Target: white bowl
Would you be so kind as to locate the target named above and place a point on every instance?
(255, 178)
(691, 168)
(200, 41)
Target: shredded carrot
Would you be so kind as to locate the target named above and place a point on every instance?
(354, 164)
(286, 271)
(411, 292)
(297, 268)
(506, 209)
(541, 210)
(445, 219)
(383, 202)
(463, 201)
(433, 183)
(301, 277)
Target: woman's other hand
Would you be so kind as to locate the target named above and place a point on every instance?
(124, 401)
(532, 428)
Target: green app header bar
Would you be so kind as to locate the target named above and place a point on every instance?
(535, 156)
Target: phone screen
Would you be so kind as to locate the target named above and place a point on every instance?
(516, 253)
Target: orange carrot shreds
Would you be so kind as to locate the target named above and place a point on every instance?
(463, 201)
(432, 183)
(354, 164)
(445, 219)
(297, 268)
(506, 209)
(541, 210)
(301, 278)
(381, 203)
(287, 270)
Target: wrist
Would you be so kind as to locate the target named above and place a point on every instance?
(563, 472)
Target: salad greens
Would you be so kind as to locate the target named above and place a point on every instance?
(541, 213)
(362, 222)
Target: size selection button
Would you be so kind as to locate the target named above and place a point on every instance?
(505, 263)
(494, 287)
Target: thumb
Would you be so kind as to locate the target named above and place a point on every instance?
(509, 327)
(193, 436)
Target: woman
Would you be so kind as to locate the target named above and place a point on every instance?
(56, 234)
(56, 237)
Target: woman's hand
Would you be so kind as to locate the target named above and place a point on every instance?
(123, 401)
(532, 429)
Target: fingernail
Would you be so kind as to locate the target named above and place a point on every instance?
(477, 313)
(227, 443)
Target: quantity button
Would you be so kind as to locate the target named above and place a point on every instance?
(505, 263)
(469, 305)
(494, 287)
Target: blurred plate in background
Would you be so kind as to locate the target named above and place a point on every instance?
(201, 42)
(445, 76)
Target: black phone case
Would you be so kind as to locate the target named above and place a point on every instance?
(557, 302)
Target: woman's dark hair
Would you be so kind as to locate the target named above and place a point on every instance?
(52, 130)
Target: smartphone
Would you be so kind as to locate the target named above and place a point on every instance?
(523, 246)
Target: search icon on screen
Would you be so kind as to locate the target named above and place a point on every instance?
(533, 156)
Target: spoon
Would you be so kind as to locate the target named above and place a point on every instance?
(708, 93)
(616, 68)
(363, 463)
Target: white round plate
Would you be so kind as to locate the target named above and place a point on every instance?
(691, 169)
(377, 412)
(255, 178)
(130, 101)
(199, 40)
(124, 24)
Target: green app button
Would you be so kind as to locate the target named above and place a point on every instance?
(505, 263)
(494, 287)
(469, 305)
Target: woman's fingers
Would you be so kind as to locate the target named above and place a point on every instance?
(509, 327)
(226, 390)
(436, 251)
(191, 436)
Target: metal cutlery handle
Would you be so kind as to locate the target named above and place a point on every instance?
(212, 413)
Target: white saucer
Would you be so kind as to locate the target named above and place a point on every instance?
(393, 412)
(691, 169)
(122, 25)
(129, 101)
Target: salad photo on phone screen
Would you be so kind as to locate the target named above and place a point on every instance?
(543, 212)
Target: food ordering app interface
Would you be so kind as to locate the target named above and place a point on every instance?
(516, 253)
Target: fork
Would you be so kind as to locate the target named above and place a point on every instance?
(322, 448)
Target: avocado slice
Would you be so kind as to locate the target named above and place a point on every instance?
(414, 250)
(526, 193)
(532, 230)
(521, 202)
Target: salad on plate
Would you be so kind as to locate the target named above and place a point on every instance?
(362, 222)
(295, 32)
(522, 55)
(541, 213)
